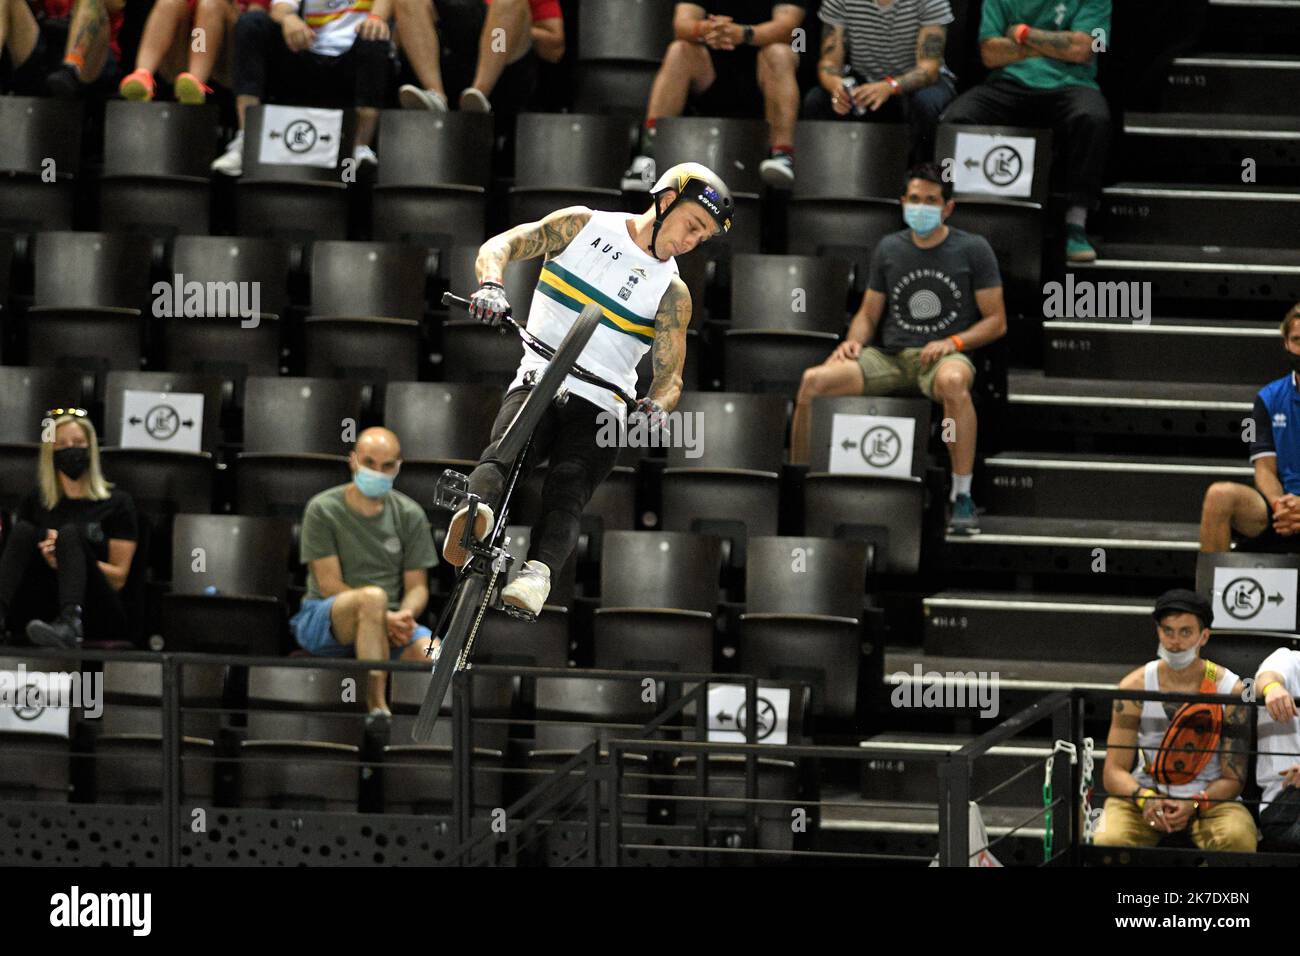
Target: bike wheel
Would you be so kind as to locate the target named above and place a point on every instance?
(464, 608)
(575, 340)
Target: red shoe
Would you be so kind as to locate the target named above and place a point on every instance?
(190, 91)
(137, 86)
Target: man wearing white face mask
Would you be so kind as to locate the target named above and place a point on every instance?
(934, 295)
(368, 549)
(1170, 766)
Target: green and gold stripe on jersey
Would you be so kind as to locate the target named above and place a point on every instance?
(560, 285)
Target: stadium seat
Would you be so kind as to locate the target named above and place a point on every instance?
(128, 742)
(37, 766)
(42, 139)
(520, 280)
(787, 313)
(89, 292)
(620, 46)
(478, 355)
(29, 393)
(886, 512)
(302, 745)
(728, 484)
(432, 187)
(300, 415)
(567, 159)
(298, 203)
(224, 344)
(802, 620)
(777, 785)
(156, 179)
(441, 422)
(229, 576)
(659, 591)
(279, 486)
(162, 484)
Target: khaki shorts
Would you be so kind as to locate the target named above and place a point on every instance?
(902, 374)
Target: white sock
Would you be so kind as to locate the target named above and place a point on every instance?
(960, 485)
(1076, 216)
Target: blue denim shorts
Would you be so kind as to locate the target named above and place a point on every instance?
(311, 629)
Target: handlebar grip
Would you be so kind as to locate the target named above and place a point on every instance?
(449, 299)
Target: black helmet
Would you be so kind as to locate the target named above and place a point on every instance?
(698, 184)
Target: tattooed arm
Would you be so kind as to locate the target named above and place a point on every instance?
(1121, 742)
(548, 236)
(669, 350)
(1234, 745)
(830, 67)
(930, 41)
(1072, 46)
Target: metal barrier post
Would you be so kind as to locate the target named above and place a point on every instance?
(460, 754)
(171, 764)
(614, 856)
(1065, 781)
(751, 763)
(954, 811)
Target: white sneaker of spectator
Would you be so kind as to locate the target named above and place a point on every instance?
(529, 590)
(364, 154)
(640, 176)
(231, 162)
(414, 98)
(778, 171)
(473, 101)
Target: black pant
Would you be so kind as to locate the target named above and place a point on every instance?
(29, 588)
(358, 77)
(920, 110)
(567, 436)
(1078, 114)
(1279, 824)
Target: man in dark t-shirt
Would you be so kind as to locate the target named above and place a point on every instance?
(934, 295)
(731, 58)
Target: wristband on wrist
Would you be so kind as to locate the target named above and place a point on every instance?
(1270, 685)
(749, 36)
(1143, 795)
(1201, 802)
(493, 281)
(897, 87)
(956, 340)
(1021, 33)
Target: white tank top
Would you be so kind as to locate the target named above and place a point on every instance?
(603, 265)
(1151, 731)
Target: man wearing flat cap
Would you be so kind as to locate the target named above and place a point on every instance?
(1173, 766)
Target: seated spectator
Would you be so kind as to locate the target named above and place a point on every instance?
(69, 552)
(934, 294)
(60, 47)
(1173, 767)
(1045, 74)
(312, 53)
(884, 63)
(368, 550)
(1267, 516)
(724, 60)
(169, 41)
(1277, 766)
(504, 77)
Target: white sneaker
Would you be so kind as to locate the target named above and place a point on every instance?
(231, 162)
(451, 548)
(529, 589)
(365, 155)
(474, 101)
(640, 176)
(413, 98)
(778, 171)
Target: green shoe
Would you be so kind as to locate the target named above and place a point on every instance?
(964, 519)
(1077, 246)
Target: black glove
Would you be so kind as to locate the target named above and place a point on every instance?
(489, 303)
(654, 414)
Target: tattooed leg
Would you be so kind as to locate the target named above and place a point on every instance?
(87, 48)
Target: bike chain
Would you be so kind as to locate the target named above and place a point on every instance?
(462, 662)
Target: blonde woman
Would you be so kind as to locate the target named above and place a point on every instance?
(69, 553)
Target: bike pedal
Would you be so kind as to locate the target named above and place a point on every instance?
(519, 613)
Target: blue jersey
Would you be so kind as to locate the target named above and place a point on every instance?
(1277, 430)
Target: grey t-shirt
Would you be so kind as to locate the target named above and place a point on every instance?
(370, 550)
(929, 293)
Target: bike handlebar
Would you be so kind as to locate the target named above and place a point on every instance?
(546, 352)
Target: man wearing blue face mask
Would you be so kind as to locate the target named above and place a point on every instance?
(1171, 766)
(933, 296)
(368, 549)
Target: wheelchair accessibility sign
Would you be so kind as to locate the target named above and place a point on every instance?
(727, 714)
(300, 136)
(167, 421)
(876, 445)
(994, 165)
(1256, 598)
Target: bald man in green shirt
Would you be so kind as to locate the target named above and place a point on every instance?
(1043, 58)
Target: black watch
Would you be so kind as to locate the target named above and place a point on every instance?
(749, 36)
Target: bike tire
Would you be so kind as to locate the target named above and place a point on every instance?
(575, 340)
(464, 604)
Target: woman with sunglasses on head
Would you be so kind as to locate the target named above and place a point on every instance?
(68, 555)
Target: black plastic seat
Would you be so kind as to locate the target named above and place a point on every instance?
(621, 44)
(42, 139)
(567, 159)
